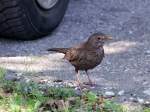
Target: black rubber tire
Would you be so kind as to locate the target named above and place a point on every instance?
(24, 19)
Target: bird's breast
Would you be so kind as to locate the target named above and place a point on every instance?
(91, 59)
(96, 57)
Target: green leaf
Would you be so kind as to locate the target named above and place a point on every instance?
(92, 97)
(147, 110)
(2, 73)
(113, 107)
(36, 106)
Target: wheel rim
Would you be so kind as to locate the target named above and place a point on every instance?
(47, 4)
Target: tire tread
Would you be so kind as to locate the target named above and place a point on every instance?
(16, 22)
(11, 21)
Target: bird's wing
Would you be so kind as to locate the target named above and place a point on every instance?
(74, 54)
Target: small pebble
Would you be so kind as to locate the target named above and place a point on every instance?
(120, 93)
(27, 80)
(70, 84)
(76, 88)
(130, 32)
(107, 88)
(42, 81)
(12, 77)
(133, 95)
(147, 92)
(19, 74)
(140, 100)
(147, 52)
(109, 93)
(147, 104)
(145, 83)
(133, 99)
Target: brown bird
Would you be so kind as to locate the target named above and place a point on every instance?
(87, 55)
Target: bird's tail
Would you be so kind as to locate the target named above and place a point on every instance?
(60, 50)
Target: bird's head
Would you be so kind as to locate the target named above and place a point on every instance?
(97, 40)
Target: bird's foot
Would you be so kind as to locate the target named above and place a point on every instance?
(80, 85)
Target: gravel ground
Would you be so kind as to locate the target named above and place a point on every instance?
(126, 67)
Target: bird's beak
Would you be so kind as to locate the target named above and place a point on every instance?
(108, 37)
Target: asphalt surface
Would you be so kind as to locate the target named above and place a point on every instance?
(127, 62)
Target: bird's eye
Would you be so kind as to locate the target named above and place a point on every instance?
(98, 38)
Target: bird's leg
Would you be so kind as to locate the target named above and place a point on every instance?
(77, 77)
(90, 81)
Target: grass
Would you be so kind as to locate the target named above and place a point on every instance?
(30, 97)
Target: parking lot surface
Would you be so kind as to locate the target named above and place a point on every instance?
(126, 65)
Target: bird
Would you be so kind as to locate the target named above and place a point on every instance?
(86, 55)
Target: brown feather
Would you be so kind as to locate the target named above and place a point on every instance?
(86, 55)
(60, 50)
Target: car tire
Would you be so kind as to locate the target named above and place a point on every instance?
(26, 19)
